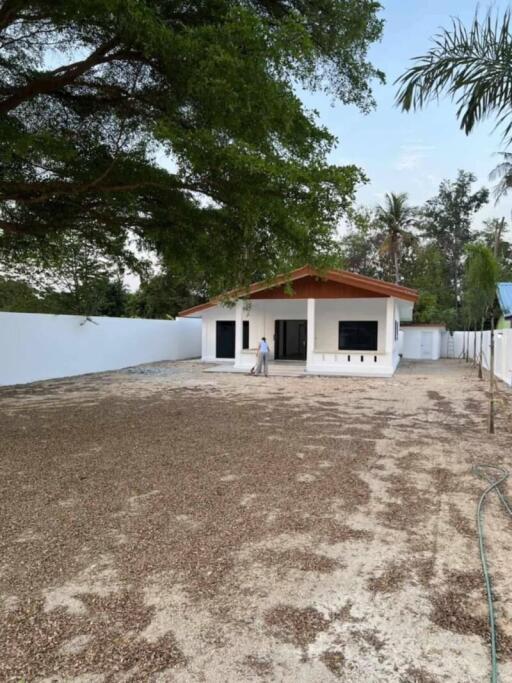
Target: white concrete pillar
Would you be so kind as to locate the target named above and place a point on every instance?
(239, 333)
(390, 325)
(311, 332)
(204, 338)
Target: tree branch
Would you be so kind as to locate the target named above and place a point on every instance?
(39, 192)
(59, 77)
(9, 13)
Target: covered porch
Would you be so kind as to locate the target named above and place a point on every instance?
(327, 336)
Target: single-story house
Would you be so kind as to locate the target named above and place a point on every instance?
(504, 291)
(422, 341)
(330, 322)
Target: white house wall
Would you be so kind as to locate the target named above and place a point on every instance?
(326, 357)
(329, 312)
(209, 332)
(261, 314)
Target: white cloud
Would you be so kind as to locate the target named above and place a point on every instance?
(412, 156)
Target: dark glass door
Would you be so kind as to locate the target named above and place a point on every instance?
(225, 339)
(291, 339)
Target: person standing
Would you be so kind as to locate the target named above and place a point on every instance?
(262, 357)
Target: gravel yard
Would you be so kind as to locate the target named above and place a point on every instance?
(166, 524)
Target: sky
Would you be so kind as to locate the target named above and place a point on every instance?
(412, 152)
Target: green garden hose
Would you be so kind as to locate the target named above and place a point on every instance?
(495, 476)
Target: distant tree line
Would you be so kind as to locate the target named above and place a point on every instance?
(70, 274)
(426, 247)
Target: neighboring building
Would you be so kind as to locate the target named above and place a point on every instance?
(334, 322)
(504, 291)
(422, 341)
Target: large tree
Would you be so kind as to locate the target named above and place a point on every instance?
(359, 247)
(178, 122)
(446, 220)
(481, 278)
(164, 296)
(427, 272)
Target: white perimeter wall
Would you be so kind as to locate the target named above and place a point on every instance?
(37, 346)
(502, 350)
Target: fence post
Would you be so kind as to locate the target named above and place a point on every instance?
(491, 380)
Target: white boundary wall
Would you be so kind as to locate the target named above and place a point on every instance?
(502, 350)
(36, 346)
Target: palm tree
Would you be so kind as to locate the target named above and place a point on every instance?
(473, 66)
(396, 217)
(503, 174)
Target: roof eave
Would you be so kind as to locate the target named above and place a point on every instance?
(346, 277)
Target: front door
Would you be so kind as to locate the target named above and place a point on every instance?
(225, 339)
(291, 339)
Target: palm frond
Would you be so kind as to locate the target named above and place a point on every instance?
(473, 66)
(503, 174)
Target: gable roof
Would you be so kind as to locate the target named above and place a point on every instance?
(504, 290)
(370, 284)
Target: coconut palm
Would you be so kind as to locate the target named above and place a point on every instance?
(396, 217)
(503, 174)
(473, 66)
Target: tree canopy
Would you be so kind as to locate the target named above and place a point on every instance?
(447, 219)
(480, 280)
(177, 123)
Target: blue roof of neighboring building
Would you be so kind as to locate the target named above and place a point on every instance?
(505, 298)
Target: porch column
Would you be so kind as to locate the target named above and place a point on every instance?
(204, 338)
(311, 332)
(390, 326)
(239, 309)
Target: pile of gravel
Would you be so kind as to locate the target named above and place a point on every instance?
(152, 371)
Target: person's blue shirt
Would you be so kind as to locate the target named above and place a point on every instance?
(263, 347)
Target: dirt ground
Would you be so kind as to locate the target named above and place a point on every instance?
(165, 524)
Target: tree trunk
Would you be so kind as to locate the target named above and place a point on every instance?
(463, 342)
(397, 264)
(491, 380)
(480, 359)
(467, 343)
